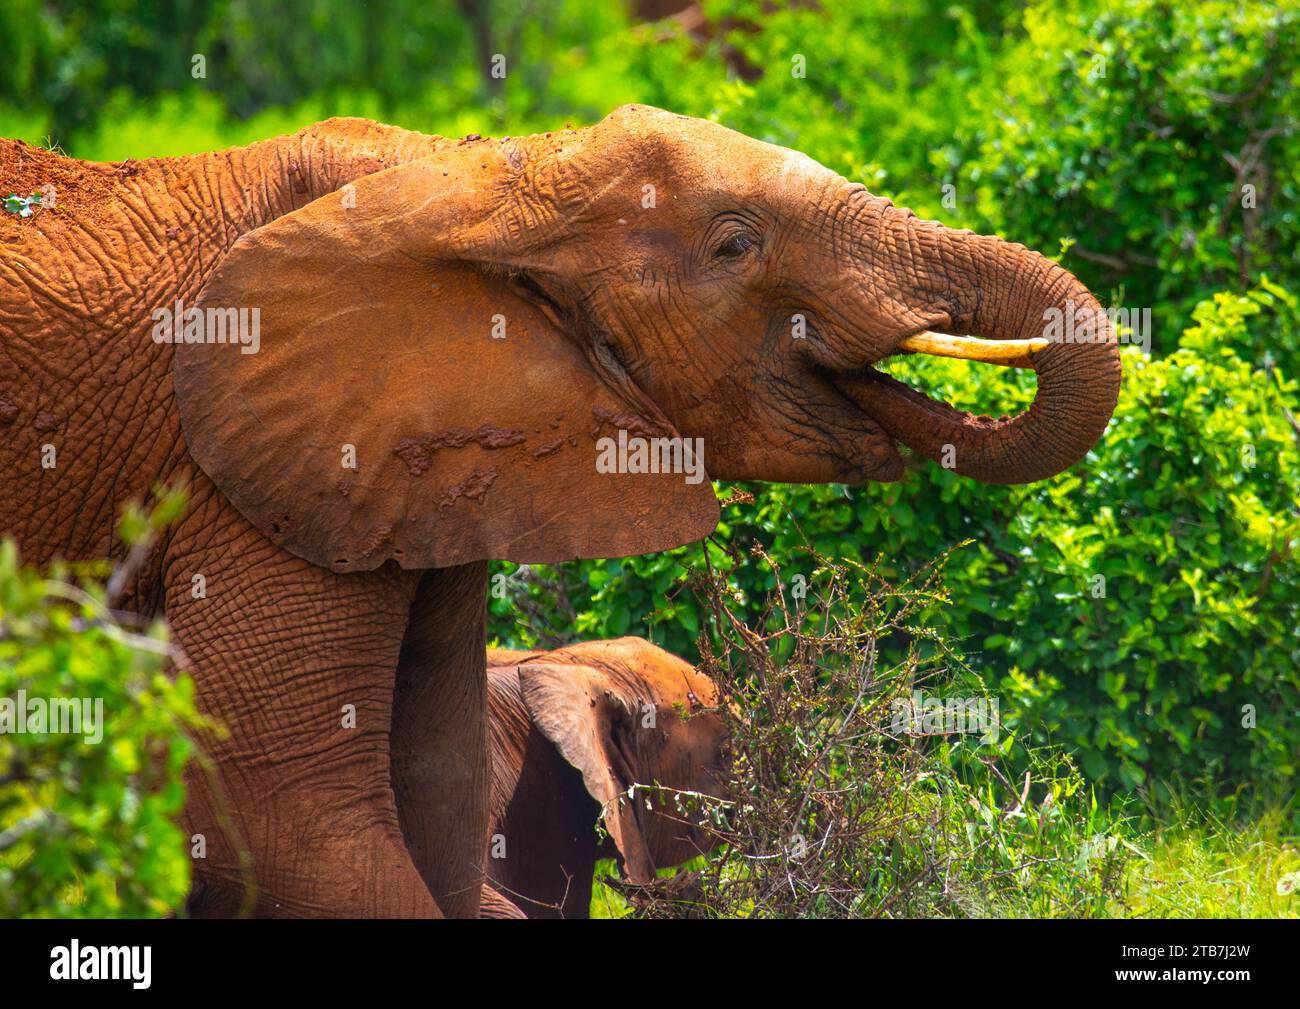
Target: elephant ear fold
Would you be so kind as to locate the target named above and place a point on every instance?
(366, 379)
(572, 707)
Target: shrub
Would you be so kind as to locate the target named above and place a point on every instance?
(88, 819)
(1133, 128)
(840, 805)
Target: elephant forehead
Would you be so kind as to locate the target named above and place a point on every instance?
(795, 173)
(714, 155)
(668, 676)
(766, 173)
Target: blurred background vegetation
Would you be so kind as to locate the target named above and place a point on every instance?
(1140, 611)
(89, 818)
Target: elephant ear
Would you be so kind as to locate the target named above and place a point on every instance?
(407, 398)
(573, 707)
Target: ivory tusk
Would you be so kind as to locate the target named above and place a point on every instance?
(1007, 353)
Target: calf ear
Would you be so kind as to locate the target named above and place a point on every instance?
(572, 707)
(408, 398)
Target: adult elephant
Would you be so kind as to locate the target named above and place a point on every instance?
(445, 332)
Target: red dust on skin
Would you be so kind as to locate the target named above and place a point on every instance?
(603, 328)
(624, 421)
(547, 448)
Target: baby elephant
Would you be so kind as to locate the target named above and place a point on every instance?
(571, 731)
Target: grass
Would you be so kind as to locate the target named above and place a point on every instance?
(1195, 865)
(1198, 865)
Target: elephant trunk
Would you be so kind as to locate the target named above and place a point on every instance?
(1003, 291)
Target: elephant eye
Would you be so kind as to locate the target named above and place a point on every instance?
(734, 246)
(613, 351)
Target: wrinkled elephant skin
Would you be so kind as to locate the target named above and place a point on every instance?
(396, 357)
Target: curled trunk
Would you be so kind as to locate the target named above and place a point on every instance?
(1003, 291)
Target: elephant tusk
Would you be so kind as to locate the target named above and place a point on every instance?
(1007, 353)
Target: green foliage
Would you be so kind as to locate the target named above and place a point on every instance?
(211, 67)
(1261, 325)
(88, 817)
(839, 805)
(1197, 865)
(1188, 664)
(1132, 126)
(64, 57)
(23, 206)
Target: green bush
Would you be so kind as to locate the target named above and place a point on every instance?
(1131, 127)
(87, 819)
(1189, 514)
(866, 88)
(839, 805)
(1187, 508)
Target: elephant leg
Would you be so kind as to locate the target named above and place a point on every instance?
(298, 664)
(441, 769)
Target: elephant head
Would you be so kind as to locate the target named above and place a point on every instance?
(444, 345)
(621, 713)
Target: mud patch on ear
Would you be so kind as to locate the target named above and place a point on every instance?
(417, 452)
(407, 403)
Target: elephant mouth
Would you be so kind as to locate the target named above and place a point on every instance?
(874, 395)
(1033, 445)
